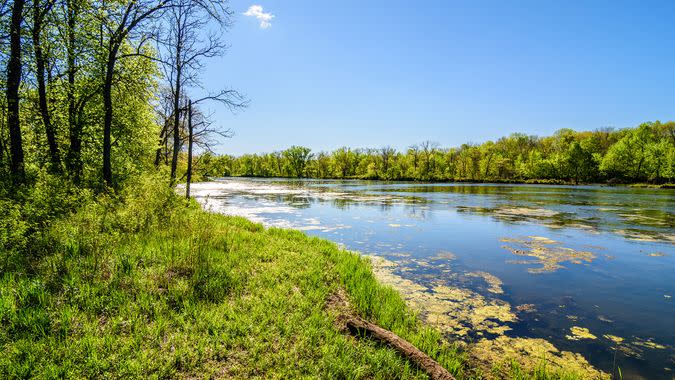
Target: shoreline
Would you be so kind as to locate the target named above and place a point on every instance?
(668, 186)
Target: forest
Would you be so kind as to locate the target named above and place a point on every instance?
(645, 153)
(98, 92)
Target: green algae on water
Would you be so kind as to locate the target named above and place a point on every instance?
(548, 253)
(579, 333)
(530, 352)
(459, 312)
(495, 284)
(614, 338)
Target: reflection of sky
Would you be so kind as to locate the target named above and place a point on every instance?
(622, 284)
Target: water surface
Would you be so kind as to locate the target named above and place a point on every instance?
(590, 269)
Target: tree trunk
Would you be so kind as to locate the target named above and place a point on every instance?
(189, 158)
(176, 119)
(54, 154)
(74, 161)
(12, 92)
(108, 114)
(162, 141)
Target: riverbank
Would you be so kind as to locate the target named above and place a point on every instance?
(145, 284)
(492, 181)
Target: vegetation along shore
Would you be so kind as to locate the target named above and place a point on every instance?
(644, 154)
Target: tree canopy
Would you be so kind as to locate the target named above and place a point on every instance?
(645, 153)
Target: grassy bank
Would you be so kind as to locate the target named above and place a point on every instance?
(147, 285)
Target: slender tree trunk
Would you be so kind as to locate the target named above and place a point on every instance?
(74, 161)
(162, 142)
(12, 92)
(2, 141)
(108, 114)
(2, 150)
(3, 119)
(166, 151)
(189, 162)
(176, 119)
(54, 154)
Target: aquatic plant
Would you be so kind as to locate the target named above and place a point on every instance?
(547, 252)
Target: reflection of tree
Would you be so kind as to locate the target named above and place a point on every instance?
(416, 211)
(386, 205)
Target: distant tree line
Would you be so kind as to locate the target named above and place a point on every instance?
(642, 154)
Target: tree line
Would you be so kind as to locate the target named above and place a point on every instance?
(645, 153)
(97, 91)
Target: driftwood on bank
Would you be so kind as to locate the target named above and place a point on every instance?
(360, 327)
(435, 371)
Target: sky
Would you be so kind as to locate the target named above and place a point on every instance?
(394, 73)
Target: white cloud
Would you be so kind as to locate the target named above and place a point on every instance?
(257, 12)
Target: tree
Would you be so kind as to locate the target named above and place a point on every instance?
(627, 157)
(297, 158)
(78, 99)
(188, 181)
(386, 156)
(580, 162)
(183, 49)
(427, 148)
(121, 23)
(40, 12)
(343, 162)
(12, 92)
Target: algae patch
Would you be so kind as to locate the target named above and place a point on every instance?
(444, 255)
(526, 308)
(454, 310)
(546, 252)
(461, 312)
(579, 333)
(646, 235)
(648, 343)
(530, 352)
(614, 338)
(495, 284)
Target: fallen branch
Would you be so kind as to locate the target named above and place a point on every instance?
(347, 320)
(435, 371)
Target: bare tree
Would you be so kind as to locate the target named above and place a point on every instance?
(187, 43)
(164, 109)
(201, 133)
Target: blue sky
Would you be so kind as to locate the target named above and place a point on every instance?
(375, 73)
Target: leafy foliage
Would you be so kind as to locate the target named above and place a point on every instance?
(645, 153)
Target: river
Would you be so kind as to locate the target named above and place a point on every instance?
(590, 269)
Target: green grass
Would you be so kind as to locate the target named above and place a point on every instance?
(153, 287)
(194, 294)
